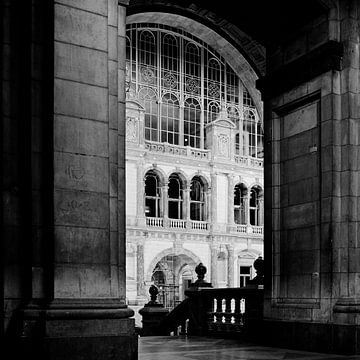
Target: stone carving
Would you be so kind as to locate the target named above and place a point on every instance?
(74, 173)
(223, 145)
(132, 129)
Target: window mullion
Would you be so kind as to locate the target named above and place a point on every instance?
(202, 116)
(159, 75)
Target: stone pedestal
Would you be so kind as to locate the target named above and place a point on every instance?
(152, 315)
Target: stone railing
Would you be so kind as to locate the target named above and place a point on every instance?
(199, 225)
(177, 223)
(257, 230)
(178, 150)
(199, 154)
(245, 229)
(221, 312)
(154, 222)
(249, 161)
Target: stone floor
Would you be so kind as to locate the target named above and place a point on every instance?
(197, 348)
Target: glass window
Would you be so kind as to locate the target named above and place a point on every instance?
(152, 194)
(197, 199)
(245, 275)
(172, 64)
(240, 193)
(255, 206)
(175, 197)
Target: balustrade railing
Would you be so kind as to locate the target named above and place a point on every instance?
(249, 161)
(177, 223)
(199, 225)
(230, 309)
(200, 154)
(177, 150)
(258, 230)
(155, 222)
(245, 229)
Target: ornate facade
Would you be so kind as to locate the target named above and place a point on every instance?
(194, 165)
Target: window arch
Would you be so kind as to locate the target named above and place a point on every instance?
(175, 197)
(197, 199)
(255, 206)
(152, 194)
(169, 60)
(240, 197)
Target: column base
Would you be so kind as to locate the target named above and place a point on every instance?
(78, 333)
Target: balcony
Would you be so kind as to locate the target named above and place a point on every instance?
(246, 229)
(177, 150)
(199, 154)
(157, 222)
(181, 224)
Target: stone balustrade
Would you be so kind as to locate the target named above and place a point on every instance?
(181, 224)
(249, 161)
(198, 154)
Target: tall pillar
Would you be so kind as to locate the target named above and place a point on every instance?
(140, 200)
(230, 209)
(214, 256)
(165, 202)
(140, 274)
(230, 269)
(213, 207)
(84, 311)
(311, 190)
(186, 205)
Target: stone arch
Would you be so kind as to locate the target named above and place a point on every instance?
(162, 175)
(226, 44)
(182, 175)
(204, 177)
(166, 252)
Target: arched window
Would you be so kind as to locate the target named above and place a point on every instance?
(147, 58)
(170, 119)
(152, 194)
(148, 96)
(175, 197)
(192, 129)
(175, 64)
(197, 199)
(252, 135)
(240, 193)
(255, 194)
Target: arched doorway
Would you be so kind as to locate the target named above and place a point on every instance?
(172, 275)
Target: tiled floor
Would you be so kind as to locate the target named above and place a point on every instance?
(196, 348)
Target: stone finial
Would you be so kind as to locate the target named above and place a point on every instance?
(200, 271)
(259, 267)
(153, 291)
(200, 282)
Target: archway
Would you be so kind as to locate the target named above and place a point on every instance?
(172, 274)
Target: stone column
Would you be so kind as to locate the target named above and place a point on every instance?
(86, 314)
(140, 274)
(213, 196)
(261, 211)
(230, 269)
(140, 196)
(214, 255)
(165, 202)
(230, 199)
(186, 206)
